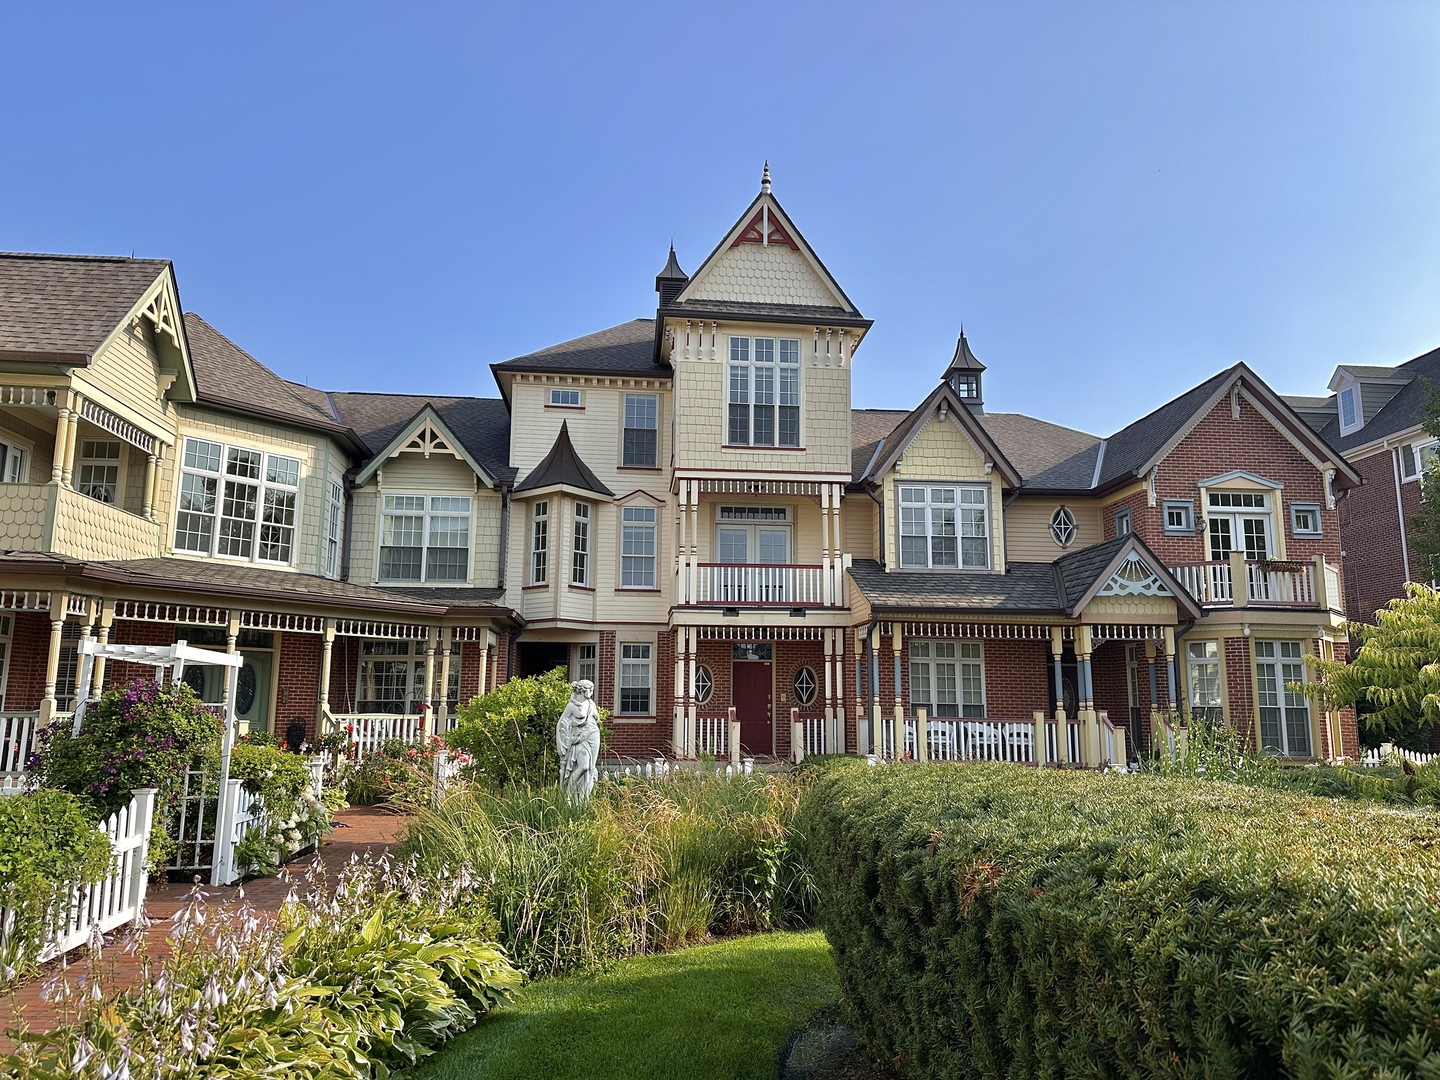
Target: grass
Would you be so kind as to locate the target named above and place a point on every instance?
(724, 1011)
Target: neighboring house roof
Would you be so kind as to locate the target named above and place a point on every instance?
(61, 308)
(1373, 371)
(563, 467)
(1308, 401)
(226, 374)
(627, 349)
(481, 425)
(1403, 412)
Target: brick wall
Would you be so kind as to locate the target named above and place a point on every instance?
(29, 649)
(297, 681)
(1239, 688)
(1370, 526)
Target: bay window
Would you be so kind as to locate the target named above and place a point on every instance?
(237, 503)
(580, 555)
(334, 530)
(764, 392)
(540, 543)
(944, 527)
(425, 538)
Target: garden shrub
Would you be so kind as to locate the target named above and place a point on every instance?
(994, 921)
(48, 843)
(294, 818)
(399, 772)
(367, 975)
(644, 865)
(509, 733)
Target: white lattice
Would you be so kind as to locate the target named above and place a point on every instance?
(1134, 577)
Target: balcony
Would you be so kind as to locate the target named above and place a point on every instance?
(1273, 583)
(51, 517)
(778, 585)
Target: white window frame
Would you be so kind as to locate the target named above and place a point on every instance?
(765, 368)
(1182, 506)
(635, 658)
(1124, 522)
(705, 681)
(580, 544)
(427, 511)
(1296, 509)
(1349, 396)
(1199, 657)
(1277, 664)
(634, 407)
(87, 461)
(1236, 508)
(634, 559)
(389, 652)
(335, 530)
(965, 661)
(1415, 458)
(14, 460)
(540, 542)
(1062, 526)
(565, 397)
(265, 485)
(587, 661)
(928, 510)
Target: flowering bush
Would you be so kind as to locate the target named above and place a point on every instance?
(356, 980)
(400, 772)
(293, 816)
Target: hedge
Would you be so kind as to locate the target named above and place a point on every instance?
(990, 921)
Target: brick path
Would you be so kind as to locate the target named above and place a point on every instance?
(359, 829)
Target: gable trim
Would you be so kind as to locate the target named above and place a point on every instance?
(426, 416)
(160, 306)
(964, 419)
(1240, 474)
(1135, 548)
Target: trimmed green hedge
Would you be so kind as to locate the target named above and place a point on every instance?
(996, 921)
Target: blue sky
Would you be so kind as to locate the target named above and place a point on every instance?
(1117, 199)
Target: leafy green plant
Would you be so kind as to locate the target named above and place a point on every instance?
(509, 733)
(293, 817)
(996, 921)
(48, 842)
(398, 772)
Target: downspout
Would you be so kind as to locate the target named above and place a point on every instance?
(1400, 510)
(1004, 532)
(880, 509)
(348, 481)
(505, 532)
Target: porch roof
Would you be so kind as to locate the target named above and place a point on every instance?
(1025, 589)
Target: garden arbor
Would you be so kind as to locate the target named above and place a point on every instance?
(171, 661)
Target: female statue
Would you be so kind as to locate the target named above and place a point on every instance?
(577, 737)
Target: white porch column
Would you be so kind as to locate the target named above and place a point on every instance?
(62, 433)
(147, 509)
(682, 552)
(828, 733)
(428, 719)
(327, 650)
(692, 647)
(58, 603)
(107, 617)
(827, 584)
(837, 542)
(442, 716)
(484, 663)
(68, 473)
(896, 643)
(677, 728)
(837, 744)
(694, 591)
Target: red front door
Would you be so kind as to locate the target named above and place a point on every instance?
(751, 680)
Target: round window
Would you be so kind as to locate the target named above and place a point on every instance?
(703, 685)
(1062, 526)
(804, 686)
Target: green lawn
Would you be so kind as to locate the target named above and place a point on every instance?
(723, 1011)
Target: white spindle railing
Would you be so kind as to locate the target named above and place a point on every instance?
(712, 734)
(370, 731)
(1290, 588)
(814, 735)
(1207, 582)
(775, 584)
(18, 732)
(1211, 583)
(949, 739)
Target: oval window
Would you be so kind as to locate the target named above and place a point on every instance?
(703, 685)
(1062, 526)
(245, 687)
(804, 686)
(195, 679)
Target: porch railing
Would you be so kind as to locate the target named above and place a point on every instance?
(370, 731)
(762, 584)
(18, 732)
(1264, 584)
(712, 734)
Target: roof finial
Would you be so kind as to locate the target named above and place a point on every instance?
(765, 179)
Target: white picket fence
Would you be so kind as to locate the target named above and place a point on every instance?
(117, 898)
(243, 812)
(1390, 754)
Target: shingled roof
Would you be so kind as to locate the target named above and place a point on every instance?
(1028, 588)
(1406, 410)
(563, 466)
(61, 308)
(481, 424)
(226, 374)
(627, 349)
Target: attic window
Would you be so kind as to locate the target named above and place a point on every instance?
(565, 399)
(1348, 418)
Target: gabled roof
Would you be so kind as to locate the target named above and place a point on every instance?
(627, 349)
(868, 428)
(1035, 446)
(563, 467)
(480, 425)
(427, 427)
(62, 308)
(1082, 574)
(896, 443)
(1404, 411)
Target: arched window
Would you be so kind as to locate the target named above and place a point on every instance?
(804, 686)
(1062, 526)
(704, 684)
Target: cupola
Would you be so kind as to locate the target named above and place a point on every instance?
(964, 373)
(670, 281)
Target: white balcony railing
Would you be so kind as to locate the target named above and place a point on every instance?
(1272, 583)
(762, 584)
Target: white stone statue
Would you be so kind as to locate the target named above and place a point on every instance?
(577, 737)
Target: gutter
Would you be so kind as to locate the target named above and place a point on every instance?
(870, 490)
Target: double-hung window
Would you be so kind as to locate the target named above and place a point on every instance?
(580, 552)
(637, 547)
(13, 459)
(635, 680)
(1284, 715)
(944, 527)
(1202, 660)
(1415, 459)
(425, 538)
(540, 543)
(947, 678)
(764, 392)
(335, 526)
(99, 473)
(237, 503)
(641, 445)
(585, 662)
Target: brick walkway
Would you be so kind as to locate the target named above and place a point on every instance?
(360, 829)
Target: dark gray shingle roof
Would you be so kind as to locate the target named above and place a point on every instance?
(1036, 446)
(226, 374)
(1025, 587)
(867, 428)
(1131, 447)
(1405, 410)
(62, 307)
(625, 349)
(1079, 570)
(481, 424)
(797, 312)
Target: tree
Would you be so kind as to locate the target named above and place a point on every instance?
(1395, 672)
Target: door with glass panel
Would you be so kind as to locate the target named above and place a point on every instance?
(1284, 715)
(1202, 672)
(1239, 521)
(753, 544)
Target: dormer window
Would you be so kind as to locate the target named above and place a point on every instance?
(1349, 412)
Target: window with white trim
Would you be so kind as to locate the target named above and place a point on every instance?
(1284, 714)
(1348, 415)
(805, 686)
(335, 528)
(947, 678)
(640, 448)
(945, 527)
(764, 392)
(425, 538)
(1416, 458)
(586, 663)
(1305, 519)
(1202, 673)
(580, 549)
(637, 547)
(565, 399)
(13, 461)
(704, 684)
(391, 677)
(98, 469)
(635, 674)
(1179, 516)
(540, 543)
(237, 503)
